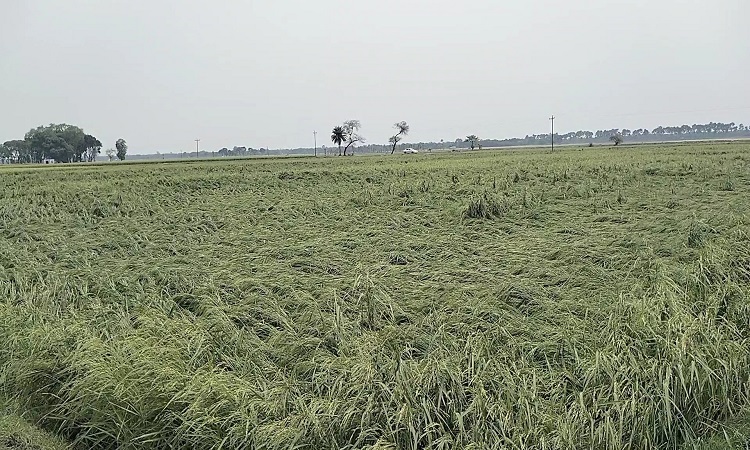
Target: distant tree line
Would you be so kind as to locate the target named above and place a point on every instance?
(60, 143)
(67, 143)
(712, 130)
(346, 136)
(696, 130)
(241, 151)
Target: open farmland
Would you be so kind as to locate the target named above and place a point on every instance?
(595, 298)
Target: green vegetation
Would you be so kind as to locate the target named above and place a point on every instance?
(58, 142)
(521, 299)
(473, 141)
(733, 435)
(616, 139)
(122, 149)
(17, 434)
(338, 136)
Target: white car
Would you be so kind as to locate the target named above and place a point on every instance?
(409, 151)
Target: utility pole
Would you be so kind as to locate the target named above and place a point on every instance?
(315, 136)
(197, 141)
(552, 136)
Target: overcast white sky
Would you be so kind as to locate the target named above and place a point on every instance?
(161, 73)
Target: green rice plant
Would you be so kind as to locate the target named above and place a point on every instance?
(18, 434)
(698, 234)
(484, 207)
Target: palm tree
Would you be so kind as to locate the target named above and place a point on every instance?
(338, 136)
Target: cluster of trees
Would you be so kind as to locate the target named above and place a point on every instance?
(709, 128)
(348, 135)
(659, 133)
(241, 151)
(60, 143)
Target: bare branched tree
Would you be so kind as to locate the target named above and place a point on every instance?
(402, 129)
(351, 131)
(394, 140)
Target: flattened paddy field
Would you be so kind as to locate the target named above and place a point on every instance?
(583, 299)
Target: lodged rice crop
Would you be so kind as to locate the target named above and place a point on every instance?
(582, 299)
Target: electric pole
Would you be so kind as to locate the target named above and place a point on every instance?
(197, 142)
(552, 137)
(315, 136)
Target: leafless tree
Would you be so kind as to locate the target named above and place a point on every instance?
(351, 132)
(402, 129)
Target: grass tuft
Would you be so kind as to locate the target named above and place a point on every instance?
(484, 207)
(727, 185)
(699, 234)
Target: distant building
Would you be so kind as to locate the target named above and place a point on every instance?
(48, 161)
